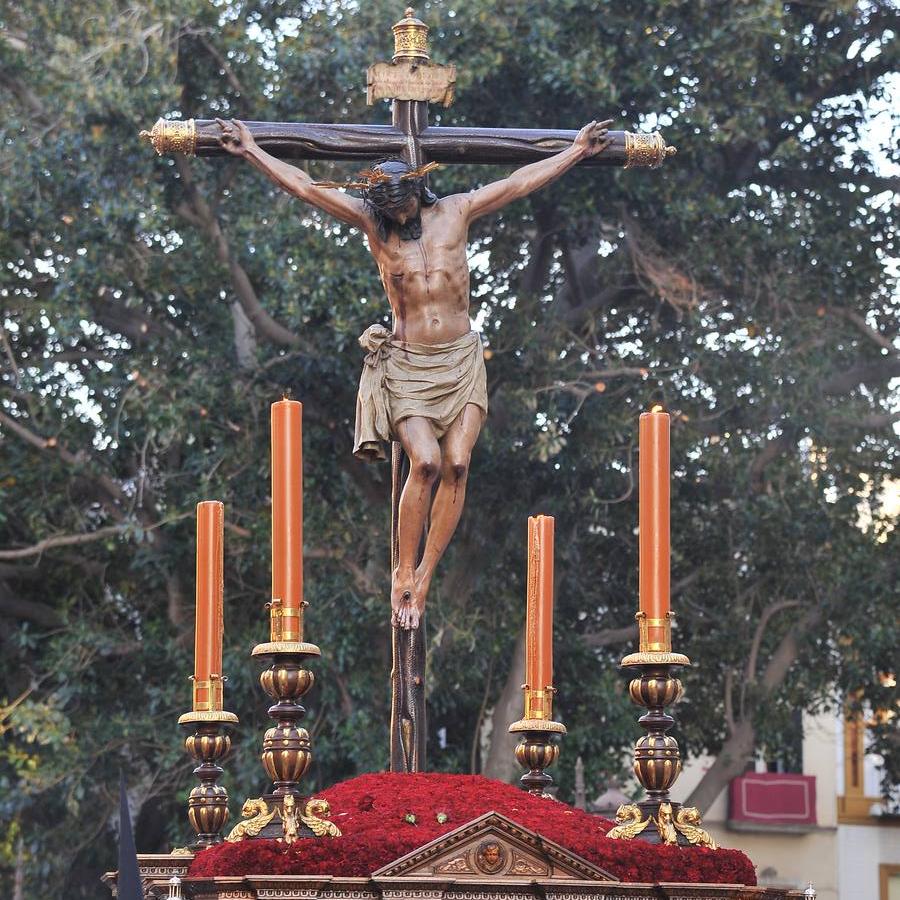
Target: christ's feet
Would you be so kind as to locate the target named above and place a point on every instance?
(405, 612)
(423, 583)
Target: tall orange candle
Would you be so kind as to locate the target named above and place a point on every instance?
(209, 623)
(287, 521)
(654, 531)
(539, 620)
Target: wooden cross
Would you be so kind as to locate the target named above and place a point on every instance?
(410, 81)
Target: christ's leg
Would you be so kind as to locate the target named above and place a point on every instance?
(456, 449)
(418, 440)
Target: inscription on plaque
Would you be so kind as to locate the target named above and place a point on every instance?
(410, 81)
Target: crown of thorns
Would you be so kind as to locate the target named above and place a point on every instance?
(371, 177)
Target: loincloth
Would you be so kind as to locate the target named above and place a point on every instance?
(401, 379)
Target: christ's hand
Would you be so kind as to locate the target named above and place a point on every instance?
(236, 137)
(592, 139)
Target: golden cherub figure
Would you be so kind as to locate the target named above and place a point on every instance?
(629, 822)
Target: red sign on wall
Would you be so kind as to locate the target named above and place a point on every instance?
(772, 798)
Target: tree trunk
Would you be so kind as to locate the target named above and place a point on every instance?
(731, 762)
(500, 762)
(19, 876)
(244, 337)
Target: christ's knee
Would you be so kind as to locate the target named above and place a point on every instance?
(455, 469)
(424, 469)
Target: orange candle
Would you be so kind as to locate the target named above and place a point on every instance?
(539, 619)
(287, 521)
(654, 530)
(209, 622)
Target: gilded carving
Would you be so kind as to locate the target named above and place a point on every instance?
(490, 857)
(172, 136)
(630, 822)
(257, 815)
(290, 827)
(665, 824)
(646, 150)
(315, 817)
(687, 821)
(456, 865)
(524, 865)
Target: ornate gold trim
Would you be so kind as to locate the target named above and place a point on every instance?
(630, 822)
(215, 693)
(537, 725)
(203, 715)
(256, 815)
(315, 818)
(172, 136)
(688, 822)
(410, 37)
(646, 150)
(655, 659)
(663, 643)
(298, 648)
(539, 702)
(278, 613)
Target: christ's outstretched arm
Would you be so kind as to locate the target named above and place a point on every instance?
(591, 140)
(238, 141)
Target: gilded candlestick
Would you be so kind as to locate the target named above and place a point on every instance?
(537, 750)
(287, 749)
(208, 742)
(657, 758)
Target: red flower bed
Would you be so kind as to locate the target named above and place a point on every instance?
(385, 816)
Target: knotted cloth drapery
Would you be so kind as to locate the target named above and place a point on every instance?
(401, 379)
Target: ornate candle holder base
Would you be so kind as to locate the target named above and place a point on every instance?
(536, 752)
(657, 758)
(287, 751)
(208, 742)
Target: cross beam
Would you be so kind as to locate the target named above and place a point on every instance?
(442, 144)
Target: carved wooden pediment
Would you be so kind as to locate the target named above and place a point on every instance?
(495, 848)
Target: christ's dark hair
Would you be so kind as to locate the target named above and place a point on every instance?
(392, 193)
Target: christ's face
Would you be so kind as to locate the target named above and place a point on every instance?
(406, 211)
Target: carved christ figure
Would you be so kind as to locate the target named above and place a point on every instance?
(424, 383)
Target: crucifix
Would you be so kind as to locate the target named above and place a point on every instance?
(423, 387)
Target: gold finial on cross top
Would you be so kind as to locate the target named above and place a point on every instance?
(410, 37)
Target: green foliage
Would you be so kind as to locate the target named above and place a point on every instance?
(745, 285)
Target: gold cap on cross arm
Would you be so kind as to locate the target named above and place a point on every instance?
(172, 136)
(410, 37)
(646, 150)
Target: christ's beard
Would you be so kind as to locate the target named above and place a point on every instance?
(411, 229)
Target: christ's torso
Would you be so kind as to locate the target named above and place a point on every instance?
(427, 280)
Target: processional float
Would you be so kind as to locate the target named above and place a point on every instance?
(412, 81)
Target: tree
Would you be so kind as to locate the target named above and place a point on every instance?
(154, 307)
